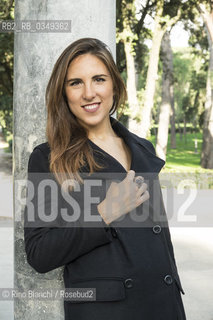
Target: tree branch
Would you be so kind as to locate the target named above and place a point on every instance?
(173, 20)
(207, 18)
(144, 11)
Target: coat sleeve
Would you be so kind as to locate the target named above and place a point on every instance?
(48, 245)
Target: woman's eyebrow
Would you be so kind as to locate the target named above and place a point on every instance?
(96, 76)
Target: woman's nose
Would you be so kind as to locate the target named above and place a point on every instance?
(89, 92)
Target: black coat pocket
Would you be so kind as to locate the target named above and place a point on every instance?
(107, 289)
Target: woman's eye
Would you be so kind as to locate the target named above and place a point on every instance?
(100, 79)
(75, 83)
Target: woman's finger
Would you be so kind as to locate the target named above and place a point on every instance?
(130, 175)
(141, 190)
(139, 180)
(145, 196)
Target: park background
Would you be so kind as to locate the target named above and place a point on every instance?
(164, 52)
(169, 84)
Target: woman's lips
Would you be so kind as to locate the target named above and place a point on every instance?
(92, 107)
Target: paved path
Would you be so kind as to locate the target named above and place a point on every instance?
(6, 229)
(6, 269)
(193, 249)
(6, 204)
(194, 255)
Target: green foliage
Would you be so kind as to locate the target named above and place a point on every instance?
(126, 21)
(189, 85)
(6, 69)
(133, 30)
(5, 112)
(190, 64)
(6, 9)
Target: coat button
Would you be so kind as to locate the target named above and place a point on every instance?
(114, 232)
(168, 279)
(156, 229)
(128, 283)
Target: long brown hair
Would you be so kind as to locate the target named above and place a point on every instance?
(67, 139)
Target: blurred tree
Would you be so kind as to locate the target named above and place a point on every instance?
(127, 37)
(6, 68)
(189, 86)
(166, 15)
(130, 31)
(167, 96)
(206, 11)
(203, 9)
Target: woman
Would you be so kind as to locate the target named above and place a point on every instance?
(105, 244)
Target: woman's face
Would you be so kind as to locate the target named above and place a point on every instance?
(89, 90)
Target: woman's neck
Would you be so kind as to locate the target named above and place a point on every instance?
(102, 133)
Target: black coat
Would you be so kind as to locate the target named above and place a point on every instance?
(130, 264)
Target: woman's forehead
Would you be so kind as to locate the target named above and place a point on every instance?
(87, 63)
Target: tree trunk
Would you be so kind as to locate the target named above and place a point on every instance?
(34, 57)
(172, 116)
(163, 126)
(133, 124)
(184, 129)
(151, 78)
(207, 147)
(128, 37)
(180, 131)
(161, 25)
(207, 18)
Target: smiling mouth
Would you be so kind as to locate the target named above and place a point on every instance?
(93, 106)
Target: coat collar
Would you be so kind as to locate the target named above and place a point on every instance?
(142, 150)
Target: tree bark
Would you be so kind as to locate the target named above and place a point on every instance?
(207, 147)
(165, 109)
(185, 129)
(133, 124)
(180, 131)
(152, 74)
(207, 18)
(127, 37)
(34, 57)
(172, 116)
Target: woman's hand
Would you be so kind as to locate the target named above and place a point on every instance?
(123, 197)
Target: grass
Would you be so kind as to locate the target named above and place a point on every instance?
(184, 157)
(184, 163)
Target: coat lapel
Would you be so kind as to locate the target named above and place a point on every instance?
(144, 159)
